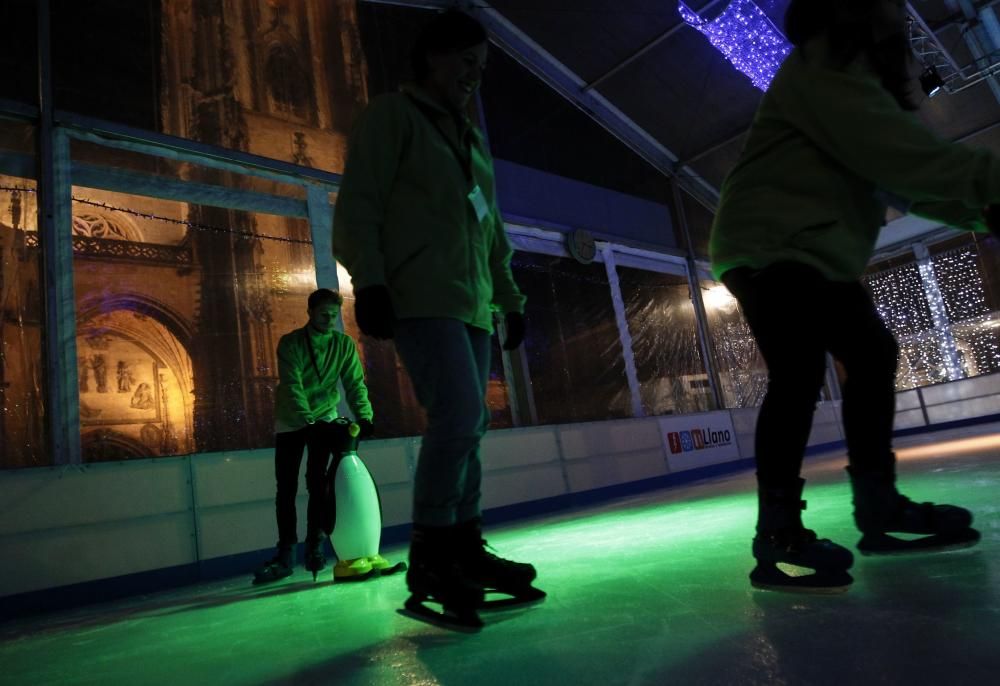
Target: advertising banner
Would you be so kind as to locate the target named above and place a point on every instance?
(698, 440)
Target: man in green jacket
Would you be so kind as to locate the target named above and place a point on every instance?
(311, 362)
(834, 138)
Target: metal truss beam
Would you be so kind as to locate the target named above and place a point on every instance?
(981, 33)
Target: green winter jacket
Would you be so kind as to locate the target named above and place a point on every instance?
(827, 148)
(403, 219)
(309, 368)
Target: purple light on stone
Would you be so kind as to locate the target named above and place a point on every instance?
(746, 37)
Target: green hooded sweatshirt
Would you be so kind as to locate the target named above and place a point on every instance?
(403, 218)
(828, 146)
(309, 367)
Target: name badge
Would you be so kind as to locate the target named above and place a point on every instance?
(478, 201)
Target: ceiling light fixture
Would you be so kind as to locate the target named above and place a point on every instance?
(931, 81)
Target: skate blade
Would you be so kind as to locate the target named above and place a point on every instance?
(886, 545)
(773, 579)
(464, 622)
(523, 597)
(314, 570)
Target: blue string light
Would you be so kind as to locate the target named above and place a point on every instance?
(746, 37)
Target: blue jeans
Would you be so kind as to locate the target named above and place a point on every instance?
(449, 364)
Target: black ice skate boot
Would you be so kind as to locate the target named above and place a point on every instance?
(278, 567)
(494, 573)
(781, 538)
(879, 509)
(435, 576)
(314, 560)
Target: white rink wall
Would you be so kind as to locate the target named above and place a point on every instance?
(68, 525)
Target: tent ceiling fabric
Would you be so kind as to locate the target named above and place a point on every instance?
(683, 92)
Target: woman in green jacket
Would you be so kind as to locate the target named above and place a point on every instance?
(834, 137)
(418, 229)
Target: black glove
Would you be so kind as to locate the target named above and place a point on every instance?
(992, 216)
(515, 330)
(367, 428)
(373, 312)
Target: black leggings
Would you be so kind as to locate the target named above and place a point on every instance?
(797, 316)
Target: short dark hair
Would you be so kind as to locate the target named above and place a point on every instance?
(324, 296)
(446, 32)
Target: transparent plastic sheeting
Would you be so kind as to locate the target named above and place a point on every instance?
(22, 382)
(970, 308)
(575, 363)
(964, 276)
(668, 361)
(22, 396)
(179, 309)
(738, 362)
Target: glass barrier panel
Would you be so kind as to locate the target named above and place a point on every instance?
(574, 351)
(22, 369)
(664, 331)
(179, 310)
(741, 369)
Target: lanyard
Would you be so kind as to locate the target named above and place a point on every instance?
(465, 162)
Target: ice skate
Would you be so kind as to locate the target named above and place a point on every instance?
(278, 567)
(495, 574)
(781, 539)
(435, 579)
(801, 548)
(879, 510)
(446, 587)
(315, 560)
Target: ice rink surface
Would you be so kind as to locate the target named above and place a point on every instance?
(644, 590)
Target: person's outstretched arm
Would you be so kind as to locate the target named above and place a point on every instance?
(858, 123)
(951, 213)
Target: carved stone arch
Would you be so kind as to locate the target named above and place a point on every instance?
(167, 338)
(94, 222)
(176, 323)
(107, 445)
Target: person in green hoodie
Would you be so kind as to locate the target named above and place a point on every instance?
(311, 362)
(418, 229)
(834, 140)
